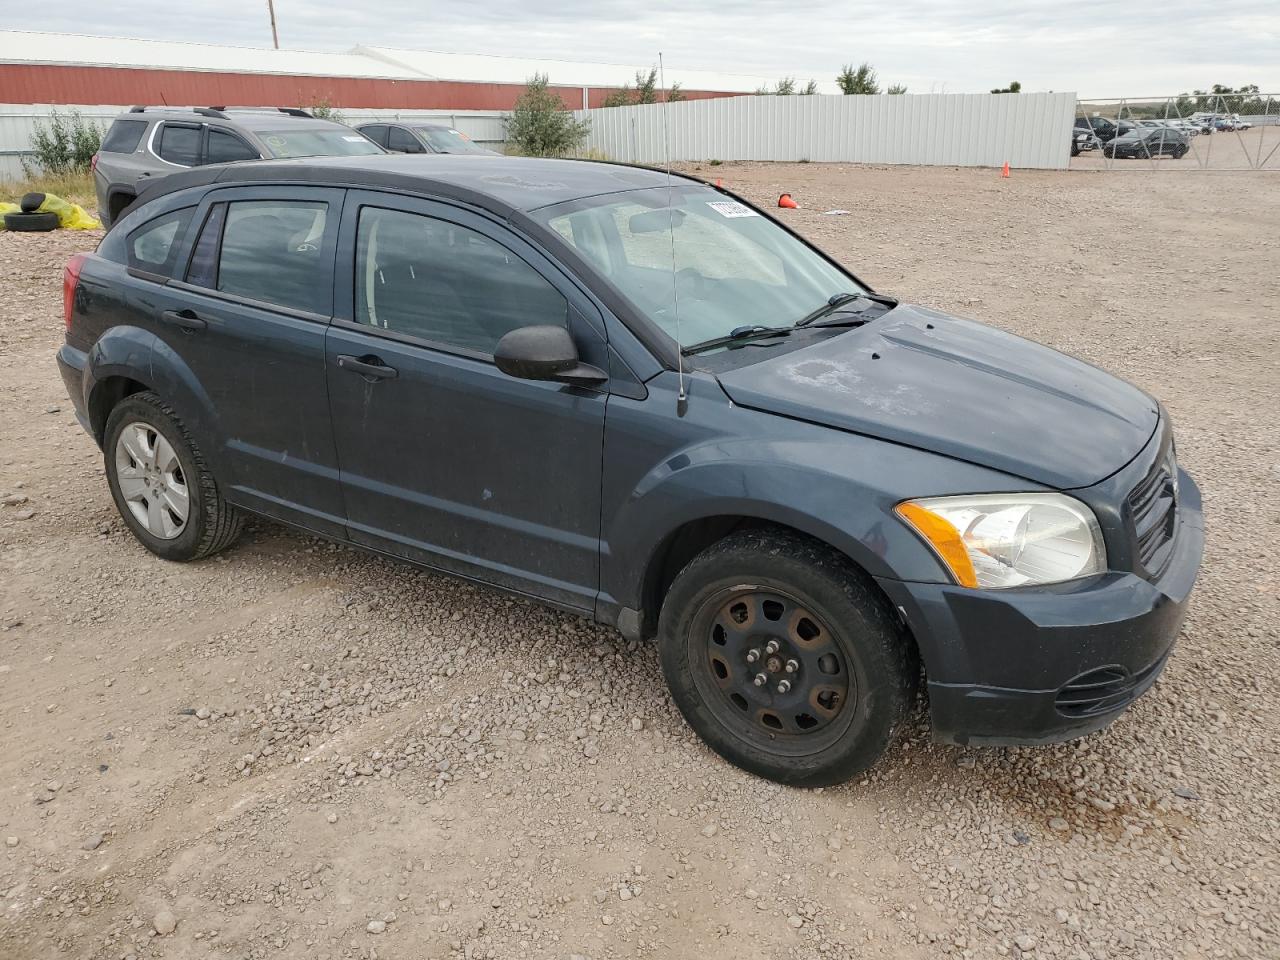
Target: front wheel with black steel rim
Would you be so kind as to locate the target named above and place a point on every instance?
(784, 658)
(160, 483)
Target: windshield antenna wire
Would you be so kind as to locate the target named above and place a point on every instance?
(681, 397)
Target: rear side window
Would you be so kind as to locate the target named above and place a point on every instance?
(179, 143)
(153, 247)
(273, 251)
(124, 136)
(226, 147)
(443, 282)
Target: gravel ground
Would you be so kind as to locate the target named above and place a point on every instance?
(295, 750)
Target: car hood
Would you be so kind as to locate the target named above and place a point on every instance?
(960, 388)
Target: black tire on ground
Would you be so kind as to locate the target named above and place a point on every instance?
(212, 524)
(30, 222)
(116, 205)
(1075, 149)
(30, 202)
(1179, 152)
(834, 631)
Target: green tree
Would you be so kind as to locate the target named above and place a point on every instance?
(64, 144)
(1014, 87)
(897, 89)
(859, 81)
(646, 90)
(810, 88)
(540, 125)
(786, 87)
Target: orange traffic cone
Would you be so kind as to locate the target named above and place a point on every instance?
(786, 202)
(1005, 172)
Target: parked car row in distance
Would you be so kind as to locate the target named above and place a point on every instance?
(147, 144)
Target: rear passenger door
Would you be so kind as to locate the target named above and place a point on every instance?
(445, 459)
(254, 300)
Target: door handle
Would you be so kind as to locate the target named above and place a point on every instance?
(369, 367)
(185, 319)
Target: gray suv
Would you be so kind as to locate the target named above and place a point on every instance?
(416, 137)
(148, 143)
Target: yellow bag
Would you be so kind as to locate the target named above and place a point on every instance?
(7, 208)
(70, 215)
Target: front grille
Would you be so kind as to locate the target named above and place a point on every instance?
(1104, 690)
(1153, 508)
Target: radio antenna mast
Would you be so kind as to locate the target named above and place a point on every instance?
(681, 397)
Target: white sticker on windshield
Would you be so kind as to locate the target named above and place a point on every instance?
(354, 139)
(731, 208)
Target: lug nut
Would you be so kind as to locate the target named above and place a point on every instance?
(784, 686)
(792, 666)
(771, 646)
(761, 680)
(753, 655)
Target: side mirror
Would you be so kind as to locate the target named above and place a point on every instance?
(544, 352)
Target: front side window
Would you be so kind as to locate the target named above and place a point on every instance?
(317, 142)
(153, 247)
(179, 143)
(226, 147)
(439, 281)
(721, 262)
(272, 251)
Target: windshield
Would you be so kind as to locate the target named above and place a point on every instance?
(443, 140)
(317, 142)
(733, 267)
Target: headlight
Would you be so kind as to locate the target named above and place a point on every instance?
(1010, 539)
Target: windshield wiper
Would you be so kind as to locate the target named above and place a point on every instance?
(743, 334)
(839, 300)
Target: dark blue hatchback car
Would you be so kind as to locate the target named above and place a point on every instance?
(645, 401)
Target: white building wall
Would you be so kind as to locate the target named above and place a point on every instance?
(1025, 130)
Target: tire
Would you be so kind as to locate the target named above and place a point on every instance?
(30, 222)
(30, 202)
(210, 524)
(1179, 152)
(1075, 149)
(851, 687)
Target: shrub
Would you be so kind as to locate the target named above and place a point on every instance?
(324, 110)
(64, 144)
(859, 81)
(540, 126)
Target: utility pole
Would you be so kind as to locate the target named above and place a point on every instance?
(275, 38)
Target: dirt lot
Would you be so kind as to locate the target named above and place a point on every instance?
(297, 751)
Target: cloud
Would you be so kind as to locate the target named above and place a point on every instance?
(1095, 47)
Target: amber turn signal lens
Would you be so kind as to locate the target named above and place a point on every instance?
(945, 540)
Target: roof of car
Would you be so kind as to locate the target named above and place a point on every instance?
(494, 182)
(249, 119)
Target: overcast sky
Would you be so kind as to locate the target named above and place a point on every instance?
(1097, 48)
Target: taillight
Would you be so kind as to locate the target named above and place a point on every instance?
(70, 278)
(93, 164)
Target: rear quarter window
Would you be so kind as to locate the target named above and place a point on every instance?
(124, 136)
(153, 247)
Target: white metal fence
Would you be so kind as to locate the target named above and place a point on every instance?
(981, 129)
(18, 125)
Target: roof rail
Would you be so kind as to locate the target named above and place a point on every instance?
(137, 109)
(211, 112)
(294, 112)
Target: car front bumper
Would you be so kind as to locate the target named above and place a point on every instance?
(1027, 666)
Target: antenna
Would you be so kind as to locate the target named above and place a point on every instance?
(681, 397)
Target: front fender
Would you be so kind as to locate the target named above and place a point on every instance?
(836, 486)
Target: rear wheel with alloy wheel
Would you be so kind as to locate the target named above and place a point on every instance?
(784, 658)
(160, 483)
